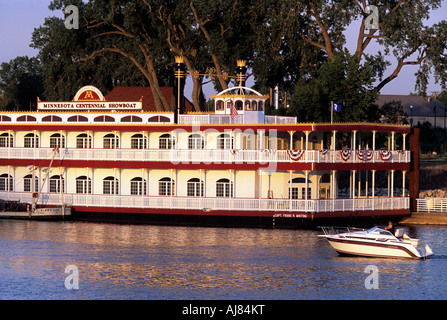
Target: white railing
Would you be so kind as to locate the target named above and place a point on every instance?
(431, 205)
(209, 204)
(279, 119)
(226, 119)
(211, 156)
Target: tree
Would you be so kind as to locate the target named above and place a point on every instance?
(393, 112)
(443, 97)
(20, 83)
(401, 30)
(63, 73)
(342, 80)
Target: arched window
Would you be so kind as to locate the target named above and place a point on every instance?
(298, 190)
(219, 105)
(110, 185)
(104, 119)
(196, 141)
(5, 118)
(52, 118)
(261, 106)
(195, 187)
(138, 186)
(166, 141)
(254, 105)
(57, 140)
(131, 119)
(6, 140)
(31, 140)
(224, 141)
(224, 188)
(110, 141)
(239, 105)
(77, 119)
(247, 105)
(166, 187)
(28, 182)
(6, 182)
(159, 119)
(138, 141)
(26, 118)
(83, 185)
(57, 184)
(83, 141)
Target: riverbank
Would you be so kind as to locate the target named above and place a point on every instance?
(419, 218)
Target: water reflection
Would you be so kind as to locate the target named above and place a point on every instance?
(160, 262)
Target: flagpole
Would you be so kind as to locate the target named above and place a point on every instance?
(332, 111)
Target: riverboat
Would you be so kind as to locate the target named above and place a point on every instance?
(236, 166)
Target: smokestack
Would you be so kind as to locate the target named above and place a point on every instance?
(241, 69)
(179, 85)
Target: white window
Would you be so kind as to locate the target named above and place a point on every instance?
(110, 141)
(138, 186)
(28, 181)
(56, 183)
(137, 141)
(83, 185)
(6, 182)
(224, 188)
(166, 141)
(165, 187)
(57, 140)
(31, 140)
(196, 141)
(195, 188)
(83, 141)
(110, 185)
(6, 140)
(224, 141)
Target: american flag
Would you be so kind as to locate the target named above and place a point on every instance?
(233, 111)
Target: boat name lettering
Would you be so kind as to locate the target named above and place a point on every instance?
(90, 106)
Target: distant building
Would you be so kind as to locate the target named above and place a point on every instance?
(419, 109)
(136, 93)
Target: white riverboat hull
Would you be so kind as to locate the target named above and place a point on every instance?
(52, 213)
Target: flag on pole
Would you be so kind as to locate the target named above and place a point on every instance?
(336, 106)
(233, 111)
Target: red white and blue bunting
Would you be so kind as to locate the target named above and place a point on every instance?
(365, 155)
(295, 155)
(234, 151)
(385, 155)
(345, 154)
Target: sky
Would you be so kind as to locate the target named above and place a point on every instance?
(18, 18)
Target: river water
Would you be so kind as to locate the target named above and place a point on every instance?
(77, 261)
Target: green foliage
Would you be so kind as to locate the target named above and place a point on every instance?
(393, 112)
(296, 45)
(20, 83)
(343, 81)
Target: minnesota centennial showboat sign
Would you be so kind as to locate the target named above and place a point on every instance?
(89, 98)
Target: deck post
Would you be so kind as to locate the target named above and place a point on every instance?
(414, 168)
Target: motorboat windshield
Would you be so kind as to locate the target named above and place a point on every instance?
(377, 230)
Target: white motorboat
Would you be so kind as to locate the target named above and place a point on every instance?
(375, 242)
